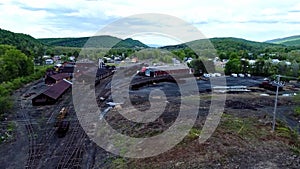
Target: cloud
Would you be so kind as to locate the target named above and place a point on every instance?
(294, 11)
(251, 19)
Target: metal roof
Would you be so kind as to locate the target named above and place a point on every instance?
(67, 69)
(58, 89)
(60, 76)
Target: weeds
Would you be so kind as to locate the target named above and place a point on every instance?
(194, 133)
(119, 163)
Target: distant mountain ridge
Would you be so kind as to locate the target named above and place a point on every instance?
(289, 41)
(37, 47)
(103, 41)
(227, 44)
(130, 43)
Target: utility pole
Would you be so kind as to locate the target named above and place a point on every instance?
(275, 106)
(278, 84)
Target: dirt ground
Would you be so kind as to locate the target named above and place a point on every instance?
(243, 139)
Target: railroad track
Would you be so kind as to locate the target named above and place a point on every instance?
(34, 148)
(72, 153)
(38, 144)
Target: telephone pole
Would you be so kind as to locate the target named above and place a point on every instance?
(276, 99)
(278, 84)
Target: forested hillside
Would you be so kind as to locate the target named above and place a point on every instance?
(130, 43)
(230, 45)
(95, 41)
(26, 43)
(289, 41)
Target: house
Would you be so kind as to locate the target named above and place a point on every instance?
(134, 60)
(188, 60)
(72, 58)
(275, 61)
(49, 61)
(288, 63)
(252, 62)
(56, 58)
(52, 94)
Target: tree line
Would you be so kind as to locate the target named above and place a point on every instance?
(14, 63)
(16, 69)
(238, 60)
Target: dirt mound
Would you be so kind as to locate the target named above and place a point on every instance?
(241, 105)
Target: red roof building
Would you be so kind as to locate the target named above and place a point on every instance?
(52, 94)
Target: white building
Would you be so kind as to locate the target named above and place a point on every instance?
(49, 61)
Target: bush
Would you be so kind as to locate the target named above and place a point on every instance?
(5, 104)
(6, 88)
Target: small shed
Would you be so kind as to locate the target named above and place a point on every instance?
(52, 94)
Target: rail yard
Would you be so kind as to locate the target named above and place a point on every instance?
(50, 135)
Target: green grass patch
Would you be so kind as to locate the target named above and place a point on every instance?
(194, 133)
(247, 128)
(295, 149)
(237, 125)
(297, 112)
(119, 163)
(292, 135)
(11, 127)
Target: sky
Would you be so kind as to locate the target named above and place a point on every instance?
(257, 20)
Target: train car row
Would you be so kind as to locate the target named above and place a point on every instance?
(163, 71)
(62, 125)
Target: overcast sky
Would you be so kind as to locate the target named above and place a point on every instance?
(257, 20)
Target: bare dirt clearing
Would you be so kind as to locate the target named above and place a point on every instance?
(242, 140)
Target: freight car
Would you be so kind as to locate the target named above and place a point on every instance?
(62, 125)
(61, 116)
(62, 128)
(163, 71)
(62, 113)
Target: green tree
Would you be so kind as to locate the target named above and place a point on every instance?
(223, 56)
(233, 66)
(244, 66)
(201, 66)
(294, 69)
(76, 54)
(269, 68)
(180, 53)
(259, 65)
(14, 63)
(233, 55)
(282, 68)
(198, 67)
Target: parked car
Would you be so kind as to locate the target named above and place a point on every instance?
(234, 75)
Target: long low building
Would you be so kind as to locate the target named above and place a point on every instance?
(164, 70)
(224, 89)
(52, 94)
(52, 79)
